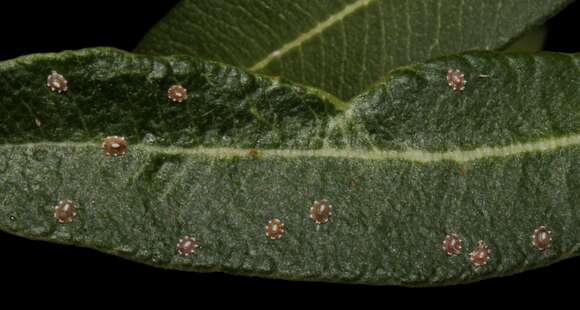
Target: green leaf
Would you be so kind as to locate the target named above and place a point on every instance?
(408, 163)
(118, 93)
(340, 46)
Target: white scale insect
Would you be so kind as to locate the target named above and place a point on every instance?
(57, 83)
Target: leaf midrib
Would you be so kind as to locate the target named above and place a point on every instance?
(411, 155)
(310, 33)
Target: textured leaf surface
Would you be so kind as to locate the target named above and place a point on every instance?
(341, 46)
(406, 164)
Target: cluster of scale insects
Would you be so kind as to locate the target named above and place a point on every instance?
(481, 254)
(320, 211)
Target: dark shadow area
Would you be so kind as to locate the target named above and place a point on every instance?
(52, 26)
(562, 35)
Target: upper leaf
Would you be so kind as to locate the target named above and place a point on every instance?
(340, 46)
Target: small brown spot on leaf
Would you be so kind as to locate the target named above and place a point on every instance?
(275, 229)
(321, 211)
(187, 246)
(452, 245)
(456, 79)
(65, 211)
(177, 93)
(461, 172)
(114, 146)
(253, 153)
(481, 254)
(542, 238)
(57, 82)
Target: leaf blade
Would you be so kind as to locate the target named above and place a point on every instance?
(390, 211)
(226, 106)
(340, 46)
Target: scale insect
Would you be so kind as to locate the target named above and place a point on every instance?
(177, 93)
(321, 211)
(456, 79)
(481, 255)
(542, 238)
(114, 146)
(56, 82)
(65, 211)
(187, 246)
(275, 229)
(452, 245)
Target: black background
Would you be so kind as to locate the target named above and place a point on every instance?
(52, 26)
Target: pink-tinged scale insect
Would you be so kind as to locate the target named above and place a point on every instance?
(114, 146)
(321, 211)
(65, 211)
(542, 238)
(456, 79)
(177, 93)
(275, 229)
(187, 246)
(480, 255)
(57, 82)
(452, 245)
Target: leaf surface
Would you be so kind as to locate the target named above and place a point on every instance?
(341, 46)
(408, 163)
